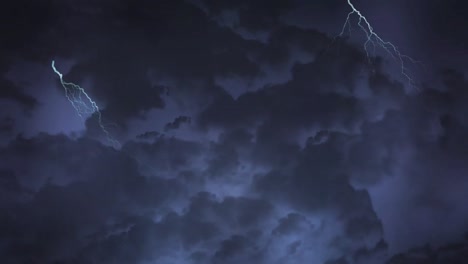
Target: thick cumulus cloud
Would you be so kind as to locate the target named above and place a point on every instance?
(81, 202)
(454, 252)
(287, 137)
(60, 196)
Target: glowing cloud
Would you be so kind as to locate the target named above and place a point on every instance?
(375, 40)
(83, 104)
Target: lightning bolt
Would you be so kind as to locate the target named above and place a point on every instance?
(375, 40)
(84, 105)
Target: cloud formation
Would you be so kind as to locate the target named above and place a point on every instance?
(283, 145)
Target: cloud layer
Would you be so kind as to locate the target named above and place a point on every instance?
(258, 141)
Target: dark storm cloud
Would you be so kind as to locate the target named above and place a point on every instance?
(6, 125)
(442, 25)
(226, 231)
(389, 124)
(199, 227)
(178, 121)
(10, 92)
(144, 45)
(109, 39)
(324, 92)
(101, 210)
(25, 27)
(66, 198)
(455, 252)
(94, 205)
(149, 135)
(314, 178)
(166, 154)
(421, 145)
(316, 183)
(252, 15)
(277, 184)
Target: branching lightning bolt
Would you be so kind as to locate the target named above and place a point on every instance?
(374, 39)
(83, 104)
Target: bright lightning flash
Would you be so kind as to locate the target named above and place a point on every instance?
(375, 40)
(83, 104)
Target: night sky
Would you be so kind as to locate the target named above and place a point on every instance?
(249, 132)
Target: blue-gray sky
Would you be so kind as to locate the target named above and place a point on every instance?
(249, 133)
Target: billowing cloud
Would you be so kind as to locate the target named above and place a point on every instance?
(299, 150)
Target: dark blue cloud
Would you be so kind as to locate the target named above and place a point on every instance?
(281, 144)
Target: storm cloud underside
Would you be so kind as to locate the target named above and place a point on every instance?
(247, 137)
